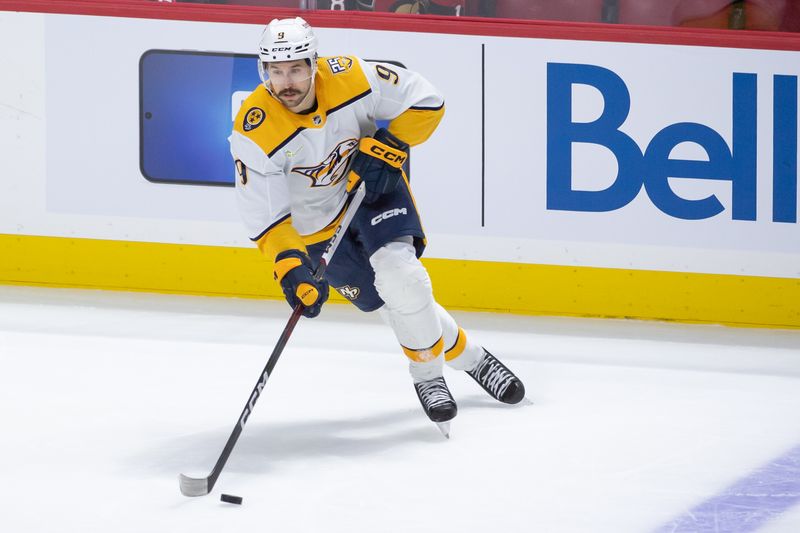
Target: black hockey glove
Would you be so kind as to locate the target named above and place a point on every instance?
(293, 271)
(379, 164)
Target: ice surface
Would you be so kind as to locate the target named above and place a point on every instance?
(106, 397)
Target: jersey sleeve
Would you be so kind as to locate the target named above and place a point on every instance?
(410, 102)
(262, 196)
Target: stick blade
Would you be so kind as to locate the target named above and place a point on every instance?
(192, 486)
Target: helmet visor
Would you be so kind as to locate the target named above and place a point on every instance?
(286, 73)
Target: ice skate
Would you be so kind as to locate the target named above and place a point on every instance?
(498, 380)
(437, 402)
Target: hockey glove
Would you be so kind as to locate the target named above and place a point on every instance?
(293, 271)
(379, 164)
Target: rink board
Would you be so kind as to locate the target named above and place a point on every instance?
(613, 189)
(469, 285)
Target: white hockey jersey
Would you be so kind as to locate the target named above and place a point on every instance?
(291, 167)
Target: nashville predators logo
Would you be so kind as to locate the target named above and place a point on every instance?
(332, 169)
(351, 293)
(253, 118)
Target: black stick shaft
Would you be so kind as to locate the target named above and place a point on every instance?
(248, 408)
(210, 481)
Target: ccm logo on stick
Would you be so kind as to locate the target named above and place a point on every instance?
(653, 167)
(389, 214)
(253, 399)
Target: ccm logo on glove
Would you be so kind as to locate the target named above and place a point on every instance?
(395, 158)
(379, 164)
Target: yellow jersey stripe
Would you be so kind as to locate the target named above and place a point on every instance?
(261, 235)
(348, 102)
(279, 238)
(327, 232)
(416, 124)
(286, 141)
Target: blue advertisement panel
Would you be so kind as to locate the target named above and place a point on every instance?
(187, 103)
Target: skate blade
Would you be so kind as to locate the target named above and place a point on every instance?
(444, 427)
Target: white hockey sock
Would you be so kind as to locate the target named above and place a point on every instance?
(460, 352)
(426, 371)
(405, 287)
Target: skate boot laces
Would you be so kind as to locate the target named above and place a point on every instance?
(434, 393)
(493, 375)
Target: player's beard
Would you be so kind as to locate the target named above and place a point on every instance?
(292, 97)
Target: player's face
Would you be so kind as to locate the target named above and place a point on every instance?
(290, 81)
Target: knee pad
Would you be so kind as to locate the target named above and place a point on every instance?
(405, 287)
(400, 279)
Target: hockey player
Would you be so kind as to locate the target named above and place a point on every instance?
(294, 140)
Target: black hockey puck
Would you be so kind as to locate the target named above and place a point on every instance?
(227, 498)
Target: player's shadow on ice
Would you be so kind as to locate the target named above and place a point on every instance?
(482, 401)
(265, 446)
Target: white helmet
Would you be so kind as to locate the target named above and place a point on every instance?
(287, 40)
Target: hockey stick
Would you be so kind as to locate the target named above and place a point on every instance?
(202, 486)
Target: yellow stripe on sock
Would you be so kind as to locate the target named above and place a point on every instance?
(425, 354)
(458, 347)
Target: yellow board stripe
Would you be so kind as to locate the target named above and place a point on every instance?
(120, 265)
(471, 285)
(617, 293)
